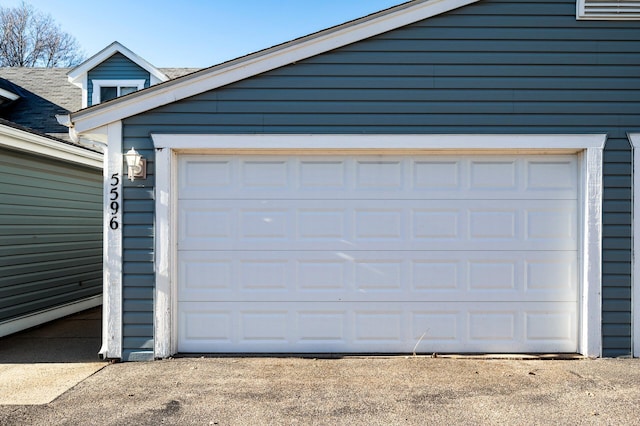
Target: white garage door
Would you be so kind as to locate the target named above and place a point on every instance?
(377, 253)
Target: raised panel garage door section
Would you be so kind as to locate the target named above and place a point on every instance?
(377, 254)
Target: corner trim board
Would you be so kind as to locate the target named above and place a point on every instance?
(634, 138)
(591, 309)
(164, 312)
(589, 146)
(112, 320)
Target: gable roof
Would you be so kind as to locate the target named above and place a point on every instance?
(262, 61)
(76, 74)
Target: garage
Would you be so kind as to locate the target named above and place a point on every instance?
(374, 252)
(410, 180)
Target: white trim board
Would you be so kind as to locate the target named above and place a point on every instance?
(591, 309)
(635, 271)
(590, 147)
(165, 304)
(29, 142)
(303, 142)
(112, 247)
(263, 61)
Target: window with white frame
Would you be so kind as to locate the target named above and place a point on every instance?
(105, 90)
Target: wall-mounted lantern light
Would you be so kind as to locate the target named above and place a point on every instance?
(136, 164)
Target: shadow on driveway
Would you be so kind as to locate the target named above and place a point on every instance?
(73, 339)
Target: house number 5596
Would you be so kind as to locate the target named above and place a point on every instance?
(114, 202)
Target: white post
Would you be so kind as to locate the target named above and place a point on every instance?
(591, 342)
(163, 343)
(112, 250)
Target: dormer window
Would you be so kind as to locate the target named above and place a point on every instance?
(111, 92)
(105, 90)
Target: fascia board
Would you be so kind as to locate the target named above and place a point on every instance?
(92, 62)
(263, 61)
(28, 142)
(75, 74)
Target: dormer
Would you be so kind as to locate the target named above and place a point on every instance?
(114, 71)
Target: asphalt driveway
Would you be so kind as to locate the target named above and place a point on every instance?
(365, 391)
(284, 391)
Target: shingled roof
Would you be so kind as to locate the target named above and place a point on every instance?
(178, 72)
(45, 92)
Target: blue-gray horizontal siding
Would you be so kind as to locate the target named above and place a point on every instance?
(138, 269)
(491, 67)
(50, 233)
(117, 67)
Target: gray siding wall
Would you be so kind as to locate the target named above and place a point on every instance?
(117, 67)
(493, 67)
(50, 233)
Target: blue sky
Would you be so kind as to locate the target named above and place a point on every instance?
(197, 33)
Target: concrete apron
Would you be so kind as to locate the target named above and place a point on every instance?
(40, 364)
(34, 384)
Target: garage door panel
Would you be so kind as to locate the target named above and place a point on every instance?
(367, 225)
(377, 276)
(383, 177)
(378, 253)
(376, 327)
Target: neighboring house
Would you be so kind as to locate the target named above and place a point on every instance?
(50, 228)
(442, 176)
(51, 204)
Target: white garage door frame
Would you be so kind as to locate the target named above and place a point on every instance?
(635, 273)
(588, 147)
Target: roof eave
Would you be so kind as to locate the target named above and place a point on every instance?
(21, 140)
(76, 73)
(262, 61)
